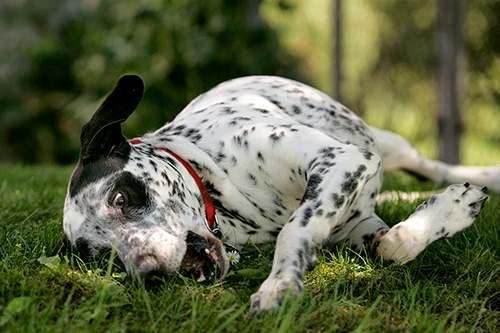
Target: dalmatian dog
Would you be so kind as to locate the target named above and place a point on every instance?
(257, 159)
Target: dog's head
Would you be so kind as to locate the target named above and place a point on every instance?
(137, 199)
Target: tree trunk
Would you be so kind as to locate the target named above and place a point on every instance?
(450, 78)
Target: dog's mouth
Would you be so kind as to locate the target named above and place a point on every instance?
(205, 259)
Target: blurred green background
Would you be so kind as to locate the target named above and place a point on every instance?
(59, 58)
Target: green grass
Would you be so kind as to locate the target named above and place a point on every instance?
(454, 286)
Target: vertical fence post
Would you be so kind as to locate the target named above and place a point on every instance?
(337, 58)
(450, 78)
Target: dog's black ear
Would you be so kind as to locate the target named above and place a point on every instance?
(103, 131)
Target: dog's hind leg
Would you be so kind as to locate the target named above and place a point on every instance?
(365, 234)
(442, 216)
(398, 153)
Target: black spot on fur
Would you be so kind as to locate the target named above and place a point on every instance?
(353, 216)
(338, 200)
(275, 102)
(306, 217)
(329, 215)
(275, 138)
(212, 189)
(312, 189)
(253, 179)
(421, 207)
(228, 110)
(351, 180)
(368, 239)
(275, 232)
(367, 155)
(235, 215)
(154, 165)
(263, 111)
(442, 231)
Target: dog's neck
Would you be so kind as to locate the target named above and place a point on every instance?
(211, 217)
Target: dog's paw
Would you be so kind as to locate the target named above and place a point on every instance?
(443, 215)
(272, 293)
(453, 210)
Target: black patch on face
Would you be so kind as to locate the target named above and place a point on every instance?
(89, 172)
(135, 194)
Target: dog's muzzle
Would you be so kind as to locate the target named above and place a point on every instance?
(205, 259)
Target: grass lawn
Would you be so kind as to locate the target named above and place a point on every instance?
(454, 286)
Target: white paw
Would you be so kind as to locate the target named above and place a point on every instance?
(443, 215)
(453, 210)
(272, 293)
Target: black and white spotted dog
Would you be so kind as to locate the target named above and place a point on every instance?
(254, 159)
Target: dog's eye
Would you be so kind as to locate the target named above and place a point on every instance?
(119, 201)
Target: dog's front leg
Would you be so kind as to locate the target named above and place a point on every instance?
(329, 195)
(296, 251)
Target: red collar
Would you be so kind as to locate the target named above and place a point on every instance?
(207, 200)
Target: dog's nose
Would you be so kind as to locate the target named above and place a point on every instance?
(149, 269)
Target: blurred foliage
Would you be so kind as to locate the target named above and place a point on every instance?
(63, 57)
(59, 58)
(390, 65)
